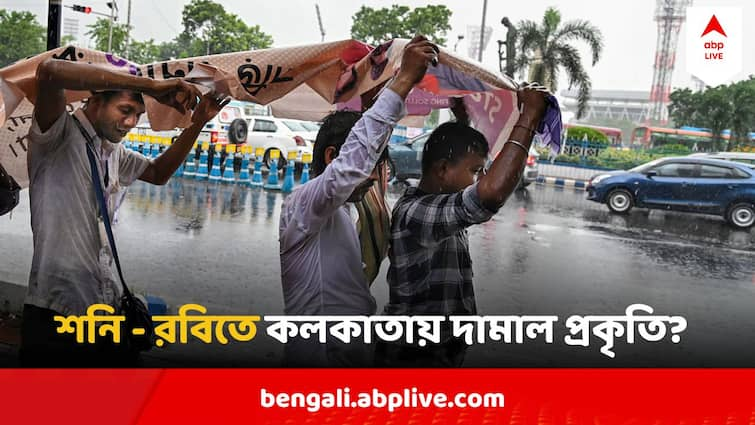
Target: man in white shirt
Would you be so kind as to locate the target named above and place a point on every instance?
(72, 266)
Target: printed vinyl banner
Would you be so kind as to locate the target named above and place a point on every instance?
(336, 72)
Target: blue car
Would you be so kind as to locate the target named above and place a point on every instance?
(689, 184)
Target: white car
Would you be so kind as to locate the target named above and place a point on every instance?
(271, 133)
(228, 126)
(307, 130)
(243, 123)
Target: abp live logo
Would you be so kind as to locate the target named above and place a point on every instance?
(713, 49)
(714, 43)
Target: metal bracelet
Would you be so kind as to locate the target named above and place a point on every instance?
(524, 148)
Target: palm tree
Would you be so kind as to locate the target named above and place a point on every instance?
(545, 49)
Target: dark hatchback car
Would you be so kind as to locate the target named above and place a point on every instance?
(406, 158)
(689, 184)
(406, 161)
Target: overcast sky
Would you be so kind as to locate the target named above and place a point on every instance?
(628, 28)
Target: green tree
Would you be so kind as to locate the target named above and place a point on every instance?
(683, 107)
(143, 52)
(711, 109)
(546, 50)
(99, 31)
(376, 26)
(209, 29)
(592, 135)
(717, 109)
(68, 39)
(21, 36)
(168, 50)
(743, 117)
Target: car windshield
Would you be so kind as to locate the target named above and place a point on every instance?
(645, 167)
(294, 125)
(419, 139)
(310, 126)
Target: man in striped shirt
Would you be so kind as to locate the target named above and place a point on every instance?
(322, 271)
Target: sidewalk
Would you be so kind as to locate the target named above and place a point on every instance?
(561, 182)
(565, 176)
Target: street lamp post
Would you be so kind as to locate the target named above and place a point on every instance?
(482, 30)
(113, 8)
(128, 28)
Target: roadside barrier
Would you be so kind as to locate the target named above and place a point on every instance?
(204, 171)
(215, 170)
(272, 175)
(257, 176)
(228, 175)
(288, 179)
(306, 159)
(244, 173)
(190, 168)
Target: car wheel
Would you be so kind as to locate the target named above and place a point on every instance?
(237, 131)
(620, 201)
(741, 215)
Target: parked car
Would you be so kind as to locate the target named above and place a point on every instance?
(531, 172)
(406, 161)
(743, 157)
(307, 130)
(228, 126)
(234, 125)
(406, 158)
(231, 124)
(271, 133)
(688, 184)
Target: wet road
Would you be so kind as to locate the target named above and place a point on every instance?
(548, 252)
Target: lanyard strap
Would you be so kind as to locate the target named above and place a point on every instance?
(101, 200)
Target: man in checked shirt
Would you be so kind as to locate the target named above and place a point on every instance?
(431, 269)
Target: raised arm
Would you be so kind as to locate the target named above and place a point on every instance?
(162, 168)
(54, 76)
(503, 176)
(366, 141)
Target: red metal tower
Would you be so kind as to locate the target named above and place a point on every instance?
(670, 14)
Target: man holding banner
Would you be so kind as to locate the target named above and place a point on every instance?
(72, 263)
(431, 269)
(321, 262)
